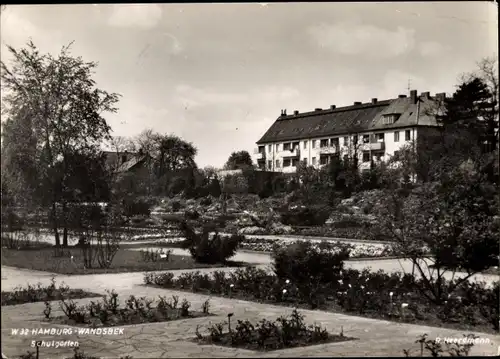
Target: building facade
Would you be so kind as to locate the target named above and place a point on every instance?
(372, 131)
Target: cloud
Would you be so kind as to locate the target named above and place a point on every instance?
(196, 97)
(430, 48)
(143, 16)
(16, 30)
(352, 38)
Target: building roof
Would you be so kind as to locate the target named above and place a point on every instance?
(114, 158)
(351, 119)
(131, 163)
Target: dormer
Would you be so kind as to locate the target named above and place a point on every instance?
(390, 118)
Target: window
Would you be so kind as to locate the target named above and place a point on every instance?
(124, 158)
(286, 147)
(396, 136)
(313, 144)
(323, 160)
(305, 161)
(346, 141)
(334, 142)
(314, 161)
(407, 135)
(277, 163)
(286, 163)
(262, 149)
(277, 147)
(366, 138)
(305, 145)
(379, 137)
(295, 162)
(390, 119)
(355, 139)
(366, 156)
(323, 143)
(295, 145)
(269, 165)
(270, 148)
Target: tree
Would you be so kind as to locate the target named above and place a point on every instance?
(239, 160)
(488, 73)
(87, 179)
(444, 226)
(472, 108)
(174, 154)
(315, 186)
(60, 99)
(209, 172)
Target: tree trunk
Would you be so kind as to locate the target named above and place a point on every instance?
(65, 230)
(53, 214)
(65, 236)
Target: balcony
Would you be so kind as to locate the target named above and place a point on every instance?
(373, 146)
(259, 155)
(295, 152)
(328, 150)
(377, 146)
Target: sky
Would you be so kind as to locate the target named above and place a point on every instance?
(218, 75)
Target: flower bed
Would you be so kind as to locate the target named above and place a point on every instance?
(136, 311)
(126, 233)
(32, 294)
(284, 332)
(357, 250)
(377, 295)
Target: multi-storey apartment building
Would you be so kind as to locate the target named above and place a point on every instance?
(372, 131)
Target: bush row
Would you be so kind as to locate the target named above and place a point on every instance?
(362, 292)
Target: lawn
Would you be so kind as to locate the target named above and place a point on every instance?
(45, 259)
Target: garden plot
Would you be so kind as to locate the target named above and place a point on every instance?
(357, 250)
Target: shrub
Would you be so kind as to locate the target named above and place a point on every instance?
(352, 291)
(347, 223)
(301, 261)
(308, 216)
(192, 214)
(209, 248)
(136, 208)
(206, 201)
(309, 268)
(138, 220)
(176, 206)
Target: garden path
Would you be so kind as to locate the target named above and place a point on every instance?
(387, 265)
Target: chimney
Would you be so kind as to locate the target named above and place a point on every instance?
(125, 156)
(357, 103)
(296, 112)
(402, 96)
(425, 94)
(284, 112)
(333, 107)
(317, 109)
(374, 100)
(441, 96)
(413, 96)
